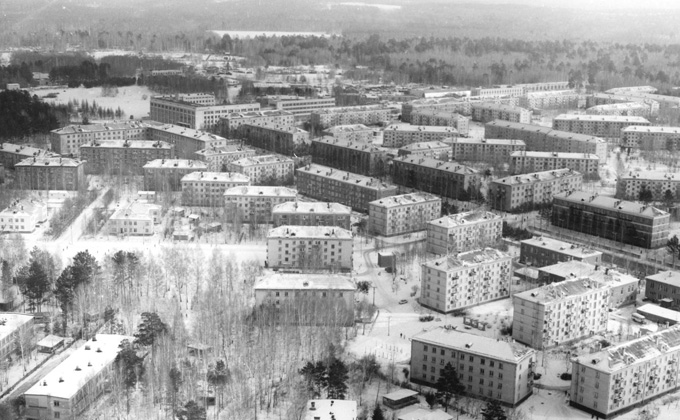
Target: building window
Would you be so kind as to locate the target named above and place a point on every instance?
(56, 403)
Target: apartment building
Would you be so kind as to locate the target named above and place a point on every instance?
(77, 382)
(11, 154)
(458, 105)
(560, 313)
(605, 126)
(499, 91)
(399, 135)
(650, 138)
(255, 204)
(206, 189)
(664, 287)
(303, 107)
(445, 119)
(361, 158)
(231, 124)
(610, 218)
(485, 150)
(625, 109)
(265, 169)
(430, 149)
(485, 112)
(632, 89)
(277, 140)
(197, 98)
(353, 190)
(541, 251)
(559, 99)
(197, 116)
(310, 248)
(599, 98)
(368, 115)
(463, 232)
(401, 214)
(352, 132)
(135, 219)
(626, 375)
(16, 330)
(217, 157)
(545, 139)
(305, 213)
(67, 140)
(524, 162)
(22, 216)
(446, 179)
(466, 279)
(122, 157)
(661, 184)
(167, 174)
(524, 191)
(51, 173)
(185, 141)
(489, 368)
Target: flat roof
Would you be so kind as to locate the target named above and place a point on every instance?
(467, 259)
(426, 145)
(258, 114)
(223, 150)
(347, 128)
(660, 312)
(611, 203)
(309, 232)
(499, 107)
(556, 155)
(349, 144)
(503, 142)
(12, 323)
(537, 177)
(135, 210)
(346, 177)
(280, 281)
(621, 105)
(400, 394)
(577, 269)
(65, 380)
(186, 132)
(347, 109)
(651, 176)
(437, 114)
(405, 200)
(97, 128)
(556, 292)
(567, 135)
(561, 246)
(23, 206)
(24, 150)
(450, 167)
(467, 218)
(261, 160)
(671, 278)
(312, 207)
(651, 129)
(293, 130)
(267, 191)
(605, 118)
(331, 410)
(509, 350)
(421, 128)
(216, 177)
(176, 163)
(127, 144)
(51, 162)
(424, 414)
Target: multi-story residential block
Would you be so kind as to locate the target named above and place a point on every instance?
(360, 158)
(207, 189)
(446, 179)
(255, 204)
(399, 135)
(664, 287)
(328, 184)
(22, 216)
(626, 375)
(310, 248)
(485, 150)
(489, 368)
(459, 105)
(499, 91)
(53, 173)
(136, 219)
(231, 124)
(632, 89)
(185, 141)
(651, 138)
(484, 112)
(607, 217)
(429, 149)
(122, 157)
(523, 162)
(167, 174)
(11, 154)
(626, 109)
(662, 185)
(560, 313)
(77, 382)
(217, 157)
(198, 116)
(400, 214)
(545, 139)
(16, 331)
(368, 115)
(197, 98)
(281, 140)
(305, 213)
(445, 119)
(599, 98)
(353, 132)
(265, 169)
(316, 296)
(528, 190)
(605, 126)
(463, 232)
(541, 251)
(624, 287)
(559, 99)
(67, 140)
(303, 107)
(467, 279)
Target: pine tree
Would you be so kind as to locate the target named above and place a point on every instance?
(494, 411)
(377, 413)
(448, 385)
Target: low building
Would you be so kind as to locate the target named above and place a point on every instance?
(206, 189)
(135, 219)
(541, 251)
(51, 173)
(77, 382)
(607, 217)
(305, 213)
(662, 185)
(11, 154)
(525, 162)
(423, 414)
(467, 279)
(523, 192)
(351, 133)
(369, 115)
(428, 149)
(22, 216)
(255, 204)
(310, 248)
(604, 126)
(401, 214)
(486, 150)
(361, 158)
(399, 135)
(265, 169)
(230, 125)
(463, 232)
(446, 119)
(560, 313)
(353, 190)
(664, 285)
(217, 157)
(283, 140)
(331, 410)
(122, 157)
(626, 375)
(651, 138)
(654, 313)
(400, 398)
(485, 112)
(167, 174)
(446, 179)
(17, 332)
(488, 368)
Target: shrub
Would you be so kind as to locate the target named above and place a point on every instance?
(565, 376)
(426, 318)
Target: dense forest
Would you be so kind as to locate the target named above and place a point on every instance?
(23, 115)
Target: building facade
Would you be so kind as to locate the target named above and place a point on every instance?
(136, 219)
(445, 119)
(625, 109)
(401, 214)
(399, 135)
(265, 169)
(206, 189)
(600, 98)
(360, 158)
(22, 216)
(122, 157)
(485, 150)
(197, 116)
(541, 251)
(463, 232)
(185, 141)
(17, 331)
(368, 115)
(664, 287)
(217, 157)
(430, 149)
(11, 154)
(604, 126)
(662, 185)
(651, 138)
(526, 162)
(310, 248)
(281, 140)
(231, 124)
(350, 133)
(305, 213)
(303, 107)
(559, 99)
(518, 192)
(255, 204)
(67, 140)
(167, 174)
(485, 112)
(446, 179)
(55, 173)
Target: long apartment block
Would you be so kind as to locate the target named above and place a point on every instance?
(651, 138)
(310, 248)
(541, 251)
(659, 183)
(626, 109)
(122, 157)
(527, 190)
(457, 105)
(217, 157)
(281, 140)
(264, 169)
(350, 132)
(463, 232)
(446, 179)
(370, 115)
(67, 140)
(446, 119)
(360, 158)
(255, 204)
(53, 173)
(526, 162)
(306, 213)
(485, 112)
(167, 174)
(11, 154)
(231, 124)
(207, 188)
(198, 116)
(559, 99)
(485, 150)
(429, 149)
(605, 126)
(399, 135)
(401, 214)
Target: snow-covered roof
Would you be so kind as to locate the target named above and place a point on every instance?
(279, 281)
(11, 323)
(509, 351)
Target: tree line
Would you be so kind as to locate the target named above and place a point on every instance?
(24, 115)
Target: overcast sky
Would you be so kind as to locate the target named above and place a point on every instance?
(589, 4)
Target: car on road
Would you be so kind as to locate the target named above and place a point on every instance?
(403, 302)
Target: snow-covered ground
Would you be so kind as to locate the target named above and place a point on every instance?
(129, 99)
